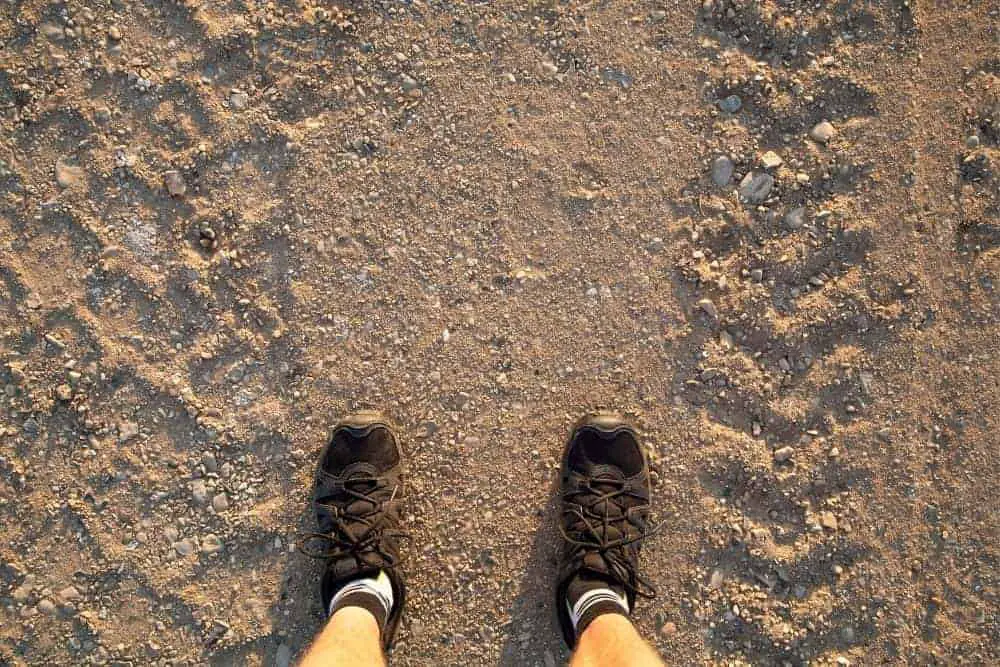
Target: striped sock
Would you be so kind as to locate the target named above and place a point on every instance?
(592, 604)
(372, 594)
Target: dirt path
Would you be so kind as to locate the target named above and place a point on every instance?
(768, 231)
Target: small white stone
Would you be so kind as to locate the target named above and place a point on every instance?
(783, 454)
(823, 132)
(771, 160)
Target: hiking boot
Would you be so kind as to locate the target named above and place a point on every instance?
(356, 496)
(605, 510)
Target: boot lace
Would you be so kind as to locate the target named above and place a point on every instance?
(360, 523)
(588, 530)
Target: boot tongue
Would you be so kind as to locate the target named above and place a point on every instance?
(605, 478)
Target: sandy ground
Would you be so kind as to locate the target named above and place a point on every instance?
(223, 223)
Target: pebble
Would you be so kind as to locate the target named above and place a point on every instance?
(668, 629)
(127, 431)
(67, 175)
(755, 187)
(211, 544)
(795, 218)
(69, 594)
(972, 141)
(21, 593)
(823, 132)
(184, 547)
(783, 454)
(771, 160)
(199, 493)
(722, 171)
(64, 392)
(709, 308)
(209, 461)
(731, 104)
(115, 33)
(220, 503)
(175, 183)
(31, 427)
(828, 520)
(409, 83)
(238, 99)
(47, 607)
(51, 31)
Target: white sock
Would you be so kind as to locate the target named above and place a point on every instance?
(379, 588)
(592, 598)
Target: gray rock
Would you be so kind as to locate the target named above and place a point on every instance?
(199, 492)
(47, 607)
(175, 183)
(184, 547)
(127, 431)
(972, 141)
(209, 461)
(755, 187)
(220, 503)
(722, 171)
(709, 308)
(31, 428)
(409, 83)
(238, 100)
(731, 104)
(795, 218)
(823, 132)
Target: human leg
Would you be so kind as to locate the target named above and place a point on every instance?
(612, 641)
(349, 639)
